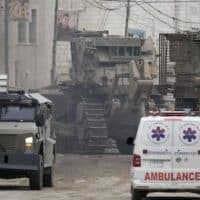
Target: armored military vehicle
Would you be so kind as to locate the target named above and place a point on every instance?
(27, 142)
(111, 79)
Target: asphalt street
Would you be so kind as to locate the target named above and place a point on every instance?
(83, 177)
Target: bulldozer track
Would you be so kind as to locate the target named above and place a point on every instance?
(96, 134)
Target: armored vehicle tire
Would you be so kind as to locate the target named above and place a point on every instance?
(48, 177)
(36, 178)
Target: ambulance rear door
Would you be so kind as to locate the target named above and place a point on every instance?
(186, 152)
(156, 150)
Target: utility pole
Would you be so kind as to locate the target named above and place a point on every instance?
(127, 17)
(53, 70)
(6, 39)
(176, 16)
(199, 15)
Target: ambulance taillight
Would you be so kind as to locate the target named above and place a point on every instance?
(136, 160)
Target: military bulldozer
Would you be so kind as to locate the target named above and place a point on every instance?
(111, 81)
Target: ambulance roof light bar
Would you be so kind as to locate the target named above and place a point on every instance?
(174, 113)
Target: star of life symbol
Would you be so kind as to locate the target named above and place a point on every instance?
(190, 134)
(158, 133)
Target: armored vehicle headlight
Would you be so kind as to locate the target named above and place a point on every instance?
(29, 142)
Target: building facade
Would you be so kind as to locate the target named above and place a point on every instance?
(148, 19)
(2, 36)
(30, 46)
(30, 43)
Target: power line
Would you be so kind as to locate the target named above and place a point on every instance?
(108, 8)
(104, 19)
(166, 15)
(93, 5)
(153, 2)
(101, 6)
(147, 11)
(139, 23)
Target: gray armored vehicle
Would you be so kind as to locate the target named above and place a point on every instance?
(27, 143)
(111, 80)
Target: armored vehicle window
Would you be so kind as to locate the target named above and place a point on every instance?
(17, 113)
(121, 51)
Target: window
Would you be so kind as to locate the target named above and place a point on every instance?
(17, 113)
(27, 31)
(121, 51)
(114, 51)
(129, 51)
(22, 36)
(32, 27)
(136, 51)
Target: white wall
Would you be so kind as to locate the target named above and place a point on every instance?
(2, 36)
(30, 64)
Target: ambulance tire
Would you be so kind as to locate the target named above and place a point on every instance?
(136, 195)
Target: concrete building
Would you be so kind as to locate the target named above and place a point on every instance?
(2, 36)
(31, 43)
(110, 15)
(30, 46)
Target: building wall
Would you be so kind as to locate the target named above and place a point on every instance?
(153, 19)
(30, 63)
(2, 38)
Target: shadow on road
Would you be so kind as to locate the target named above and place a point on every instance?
(13, 187)
(171, 198)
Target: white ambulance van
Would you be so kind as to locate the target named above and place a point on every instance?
(166, 155)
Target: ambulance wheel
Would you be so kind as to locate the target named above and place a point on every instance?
(136, 194)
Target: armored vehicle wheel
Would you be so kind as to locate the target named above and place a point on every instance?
(48, 177)
(36, 178)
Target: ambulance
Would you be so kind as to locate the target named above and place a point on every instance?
(166, 155)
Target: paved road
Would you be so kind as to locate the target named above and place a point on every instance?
(79, 177)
